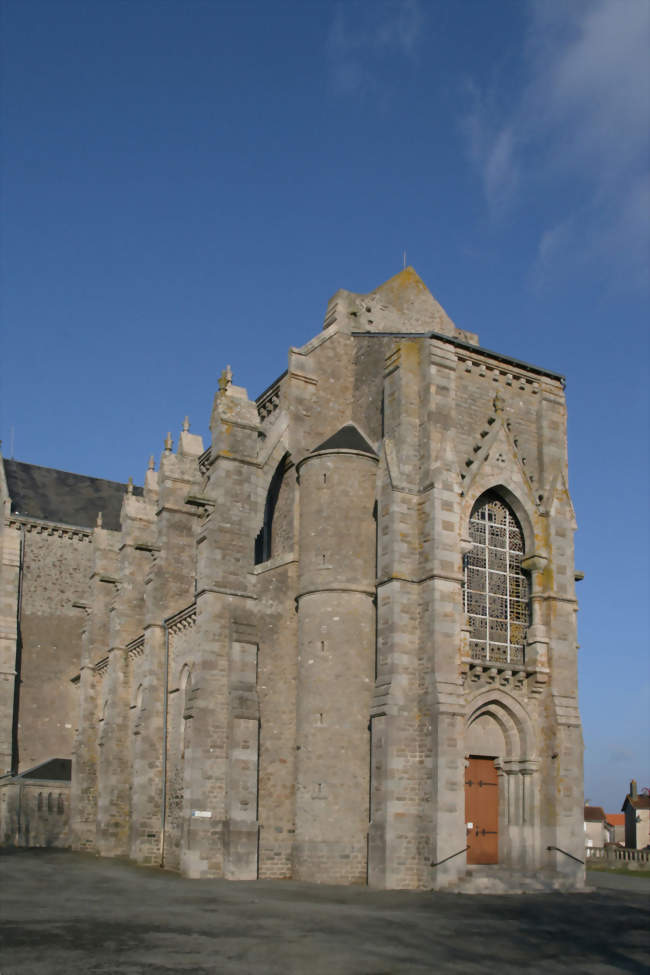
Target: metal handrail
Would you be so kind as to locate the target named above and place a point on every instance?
(449, 857)
(566, 854)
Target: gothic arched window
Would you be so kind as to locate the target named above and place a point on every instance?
(187, 708)
(279, 496)
(496, 588)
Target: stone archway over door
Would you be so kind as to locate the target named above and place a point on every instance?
(482, 810)
(499, 739)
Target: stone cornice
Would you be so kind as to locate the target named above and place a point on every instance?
(49, 527)
(184, 619)
(136, 647)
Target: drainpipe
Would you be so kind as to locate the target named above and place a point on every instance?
(19, 822)
(15, 755)
(163, 796)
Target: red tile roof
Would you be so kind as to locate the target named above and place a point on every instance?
(615, 819)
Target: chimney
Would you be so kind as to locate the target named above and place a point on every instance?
(633, 792)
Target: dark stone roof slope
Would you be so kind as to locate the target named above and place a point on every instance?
(57, 769)
(347, 438)
(45, 494)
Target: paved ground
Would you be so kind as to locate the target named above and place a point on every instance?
(67, 914)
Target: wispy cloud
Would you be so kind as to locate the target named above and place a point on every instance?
(362, 36)
(576, 130)
(554, 242)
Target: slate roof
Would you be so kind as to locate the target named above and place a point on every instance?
(347, 438)
(46, 494)
(55, 769)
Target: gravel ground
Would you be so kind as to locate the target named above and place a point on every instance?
(75, 914)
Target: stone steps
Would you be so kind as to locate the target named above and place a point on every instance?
(495, 879)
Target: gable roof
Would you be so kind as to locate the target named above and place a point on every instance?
(594, 814)
(640, 802)
(407, 293)
(46, 494)
(348, 437)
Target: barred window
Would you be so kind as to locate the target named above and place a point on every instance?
(496, 588)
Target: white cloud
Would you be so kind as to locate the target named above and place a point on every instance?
(554, 242)
(577, 130)
(363, 34)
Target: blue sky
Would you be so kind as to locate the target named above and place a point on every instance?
(186, 182)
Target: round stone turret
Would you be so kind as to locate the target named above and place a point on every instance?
(336, 634)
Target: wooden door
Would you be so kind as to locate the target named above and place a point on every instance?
(482, 811)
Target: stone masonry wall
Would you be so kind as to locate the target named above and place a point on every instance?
(56, 568)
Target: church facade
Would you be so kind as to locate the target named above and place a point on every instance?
(339, 644)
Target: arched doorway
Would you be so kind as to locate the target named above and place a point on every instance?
(500, 782)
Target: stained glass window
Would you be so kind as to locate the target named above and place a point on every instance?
(496, 588)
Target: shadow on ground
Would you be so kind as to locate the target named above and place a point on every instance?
(63, 912)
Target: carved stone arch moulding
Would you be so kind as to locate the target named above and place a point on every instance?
(269, 465)
(508, 492)
(512, 718)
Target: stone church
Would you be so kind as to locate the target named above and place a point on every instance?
(336, 644)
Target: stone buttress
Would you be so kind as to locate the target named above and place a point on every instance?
(222, 832)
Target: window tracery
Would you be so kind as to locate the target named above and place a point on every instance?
(495, 586)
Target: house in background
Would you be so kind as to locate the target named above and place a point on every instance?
(616, 824)
(637, 818)
(596, 833)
